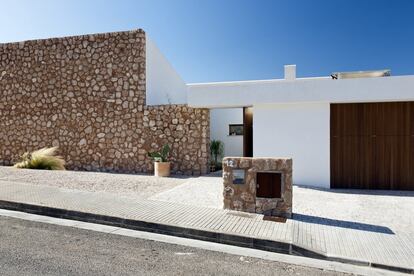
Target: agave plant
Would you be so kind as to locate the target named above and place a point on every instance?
(42, 159)
(160, 156)
(216, 150)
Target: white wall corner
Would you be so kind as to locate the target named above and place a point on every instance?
(163, 84)
(300, 131)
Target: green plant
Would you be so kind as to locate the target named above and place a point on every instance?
(216, 150)
(160, 156)
(42, 159)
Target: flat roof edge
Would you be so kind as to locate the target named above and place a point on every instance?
(291, 81)
(255, 81)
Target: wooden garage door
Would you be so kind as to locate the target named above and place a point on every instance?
(372, 145)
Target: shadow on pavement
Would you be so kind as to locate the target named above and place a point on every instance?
(361, 191)
(343, 224)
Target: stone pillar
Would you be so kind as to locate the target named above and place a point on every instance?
(240, 185)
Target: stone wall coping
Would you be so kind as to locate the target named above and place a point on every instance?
(55, 39)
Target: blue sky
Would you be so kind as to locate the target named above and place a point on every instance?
(219, 40)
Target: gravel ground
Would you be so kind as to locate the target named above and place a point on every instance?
(202, 191)
(137, 185)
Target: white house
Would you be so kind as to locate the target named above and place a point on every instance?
(349, 130)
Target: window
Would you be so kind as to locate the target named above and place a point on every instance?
(236, 129)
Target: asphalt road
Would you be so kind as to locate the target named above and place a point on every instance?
(33, 248)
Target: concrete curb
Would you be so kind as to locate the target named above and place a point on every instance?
(217, 237)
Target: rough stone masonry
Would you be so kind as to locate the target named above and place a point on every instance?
(243, 196)
(86, 94)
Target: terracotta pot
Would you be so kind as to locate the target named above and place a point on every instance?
(162, 169)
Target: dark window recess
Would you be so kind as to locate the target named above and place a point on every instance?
(247, 132)
(268, 184)
(235, 130)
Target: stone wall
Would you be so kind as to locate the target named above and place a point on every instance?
(242, 196)
(86, 94)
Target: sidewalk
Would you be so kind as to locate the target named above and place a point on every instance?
(343, 241)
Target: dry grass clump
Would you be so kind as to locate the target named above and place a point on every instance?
(43, 159)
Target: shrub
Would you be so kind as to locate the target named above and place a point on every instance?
(42, 159)
(216, 150)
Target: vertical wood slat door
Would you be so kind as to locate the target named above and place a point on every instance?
(372, 146)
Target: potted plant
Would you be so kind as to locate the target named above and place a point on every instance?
(217, 151)
(161, 163)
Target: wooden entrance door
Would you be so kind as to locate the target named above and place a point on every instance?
(372, 145)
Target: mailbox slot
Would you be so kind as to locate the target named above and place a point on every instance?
(269, 184)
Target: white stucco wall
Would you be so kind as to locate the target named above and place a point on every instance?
(248, 93)
(219, 129)
(164, 85)
(299, 131)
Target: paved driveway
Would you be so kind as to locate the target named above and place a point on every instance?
(392, 210)
(206, 191)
